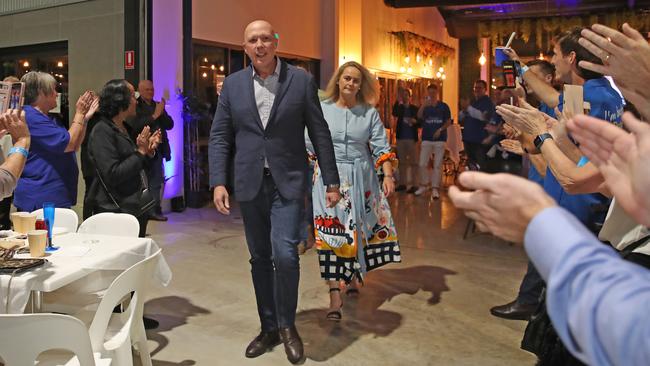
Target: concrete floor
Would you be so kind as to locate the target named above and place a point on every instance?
(432, 309)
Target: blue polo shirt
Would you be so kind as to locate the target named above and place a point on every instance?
(474, 129)
(50, 174)
(606, 104)
(433, 118)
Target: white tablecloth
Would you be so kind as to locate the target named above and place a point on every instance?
(79, 255)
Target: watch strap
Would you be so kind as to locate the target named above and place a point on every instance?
(539, 140)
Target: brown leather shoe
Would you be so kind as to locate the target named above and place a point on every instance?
(514, 311)
(292, 345)
(263, 343)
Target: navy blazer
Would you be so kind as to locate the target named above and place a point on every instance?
(237, 129)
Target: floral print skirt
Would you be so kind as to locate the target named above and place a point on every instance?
(358, 234)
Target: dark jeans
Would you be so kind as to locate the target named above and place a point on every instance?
(476, 153)
(272, 225)
(531, 286)
(156, 176)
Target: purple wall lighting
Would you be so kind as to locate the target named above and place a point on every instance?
(167, 57)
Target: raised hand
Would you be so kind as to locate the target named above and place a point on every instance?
(13, 122)
(142, 141)
(94, 106)
(625, 56)
(160, 108)
(154, 140)
(83, 103)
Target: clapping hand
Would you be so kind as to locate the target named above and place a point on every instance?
(525, 119)
(154, 141)
(625, 56)
(510, 132)
(142, 141)
(12, 122)
(160, 108)
(84, 102)
(94, 106)
(502, 204)
(512, 146)
(623, 159)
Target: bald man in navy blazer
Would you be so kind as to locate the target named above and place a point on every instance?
(260, 120)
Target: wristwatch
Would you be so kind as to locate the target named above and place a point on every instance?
(332, 188)
(539, 140)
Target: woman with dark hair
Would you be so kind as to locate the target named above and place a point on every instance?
(115, 158)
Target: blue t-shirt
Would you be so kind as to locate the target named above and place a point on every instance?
(473, 128)
(605, 103)
(534, 176)
(50, 173)
(433, 118)
(546, 109)
(404, 130)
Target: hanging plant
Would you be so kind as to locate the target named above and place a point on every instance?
(547, 28)
(411, 43)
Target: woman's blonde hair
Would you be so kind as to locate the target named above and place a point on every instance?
(368, 92)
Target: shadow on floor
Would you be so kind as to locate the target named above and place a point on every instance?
(171, 312)
(361, 315)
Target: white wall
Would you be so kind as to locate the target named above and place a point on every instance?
(167, 57)
(297, 22)
(426, 22)
(95, 34)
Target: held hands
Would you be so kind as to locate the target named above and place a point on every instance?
(221, 200)
(12, 122)
(332, 198)
(388, 185)
(502, 204)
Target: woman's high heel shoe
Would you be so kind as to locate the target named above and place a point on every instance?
(335, 315)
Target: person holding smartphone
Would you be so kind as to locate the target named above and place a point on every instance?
(436, 117)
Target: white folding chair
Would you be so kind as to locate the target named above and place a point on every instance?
(119, 224)
(89, 290)
(63, 217)
(26, 336)
(113, 334)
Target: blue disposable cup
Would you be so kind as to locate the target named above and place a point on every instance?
(500, 56)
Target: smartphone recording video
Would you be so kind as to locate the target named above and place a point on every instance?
(11, 95)
(509, 75)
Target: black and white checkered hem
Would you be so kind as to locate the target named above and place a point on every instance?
(335, 268)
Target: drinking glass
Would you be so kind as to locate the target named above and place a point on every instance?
(48, 215)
